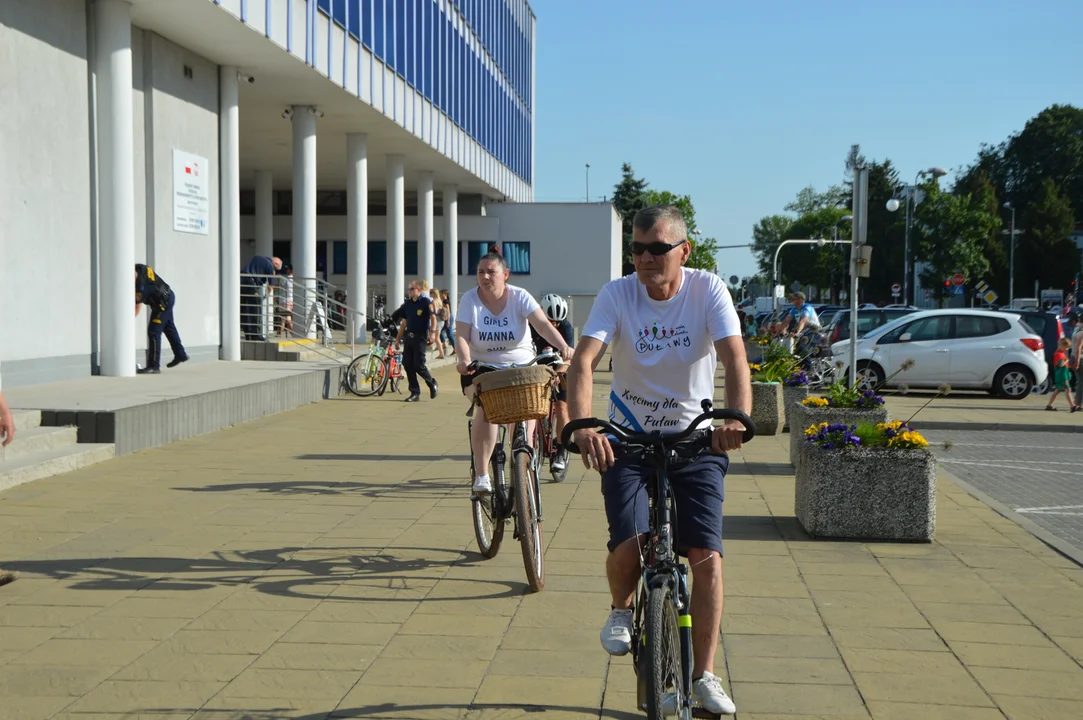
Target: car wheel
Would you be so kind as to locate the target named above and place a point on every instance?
(1013, 382)
(1044, 388)
(869, 375)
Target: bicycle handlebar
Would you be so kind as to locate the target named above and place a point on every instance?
(548, 354)
(656, 439)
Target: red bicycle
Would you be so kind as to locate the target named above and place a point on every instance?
(388, 372)
(545, 438)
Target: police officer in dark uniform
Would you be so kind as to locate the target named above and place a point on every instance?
(152, 291)
(418, 325)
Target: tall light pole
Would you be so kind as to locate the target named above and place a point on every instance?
(588, 182)
(1011, 255)
(911, 207)
(835, 236)
(859, 231)
(820, 242)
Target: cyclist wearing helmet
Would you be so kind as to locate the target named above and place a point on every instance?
(556, 311)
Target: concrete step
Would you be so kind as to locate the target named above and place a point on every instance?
(26, 419)
(52, 462)
(39, 439)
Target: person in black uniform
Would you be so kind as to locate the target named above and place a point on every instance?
(152, 291)
(418, 325)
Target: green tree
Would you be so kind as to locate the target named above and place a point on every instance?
(1049, 257)
(629, 197)
(885, 232)
(703, 249)
(766, 236)
(995, 245)
(950, 233)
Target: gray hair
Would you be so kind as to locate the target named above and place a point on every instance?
(647, 218)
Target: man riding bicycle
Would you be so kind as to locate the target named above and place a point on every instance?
(668, 324)
(556, 311)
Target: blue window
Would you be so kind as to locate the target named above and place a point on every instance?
(366, 24)
(413, 258)
(400, 37)
(339, 259)
(377, 257)
(378, 22)
(338, 12)
(410, 32)
(324, 6)
(427, 43)
(516, 253)
(353, 21)
(462, 80)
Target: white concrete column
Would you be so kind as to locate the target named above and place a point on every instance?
(425, 244)
(396, 232)
(451, 244)
(229, 159)
(303, 245)
(116, 186)
(265, 213)
(357, 231)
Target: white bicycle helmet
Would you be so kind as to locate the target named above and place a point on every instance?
(555, 307)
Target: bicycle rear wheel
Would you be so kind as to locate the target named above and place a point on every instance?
(360, 372)
(488, 512)
(380, 378)
(662, 661)
(525, 481)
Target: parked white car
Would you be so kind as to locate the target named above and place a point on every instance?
(967, 349)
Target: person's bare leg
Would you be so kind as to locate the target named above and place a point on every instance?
(482, 441)
(622, 569)
(705, 607)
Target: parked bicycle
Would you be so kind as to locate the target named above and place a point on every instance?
(513, 405)
(662, 627)
(372, 373)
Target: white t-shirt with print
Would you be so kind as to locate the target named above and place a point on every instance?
(503, 338)
(663, 352)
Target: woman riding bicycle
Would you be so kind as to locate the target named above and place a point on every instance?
(492, 325)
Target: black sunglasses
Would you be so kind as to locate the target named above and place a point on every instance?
(656, 249)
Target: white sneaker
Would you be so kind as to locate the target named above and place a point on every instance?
(617, 633)
(482, 485)
(559, 462)
(710, 695)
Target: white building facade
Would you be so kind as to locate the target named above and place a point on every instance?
(368, 141)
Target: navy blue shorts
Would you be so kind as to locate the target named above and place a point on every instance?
(697, 491)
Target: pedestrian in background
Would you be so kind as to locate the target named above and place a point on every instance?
(416, 331)
(1062, 376)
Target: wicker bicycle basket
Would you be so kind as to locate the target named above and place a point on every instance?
(515, 395)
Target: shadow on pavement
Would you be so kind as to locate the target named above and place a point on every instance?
(301, 572)
(761, 527)
(761, 468)
(393, 710)
(414, 488)
(377, 457)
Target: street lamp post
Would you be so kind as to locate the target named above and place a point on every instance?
(820, 242)
(835, 236)
(588, 182)
(1011, 256)
(911, 207)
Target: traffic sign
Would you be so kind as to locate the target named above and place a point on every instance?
(990, 297)
(958, 280)
(734, 279)
(896, 289)
(956, 290)
(981, 286)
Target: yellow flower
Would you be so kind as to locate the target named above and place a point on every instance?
(814, 402)
(909, 439)
(895, 425)
(753, 367)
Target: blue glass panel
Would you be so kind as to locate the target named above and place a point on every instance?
(338, 12)
(410, 258)
(518, 256)
(339, 266)
(378, 22)
(409, 31)
(324, 5)
(438, 257)
(353, 21)
(427, 43)
(377, 257)
(366, 23)
(400, 37)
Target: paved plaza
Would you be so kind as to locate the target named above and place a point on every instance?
(321, 563)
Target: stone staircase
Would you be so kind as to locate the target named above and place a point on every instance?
(38, 452)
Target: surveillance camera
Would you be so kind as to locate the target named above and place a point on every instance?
(249, 79)
(287, 113)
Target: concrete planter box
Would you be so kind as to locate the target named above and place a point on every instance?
(767, 410)
(867, 493)
(790, 396)
(802, 416)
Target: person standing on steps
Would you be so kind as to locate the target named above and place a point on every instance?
(152, 291)
(257, 272)
(418, 325)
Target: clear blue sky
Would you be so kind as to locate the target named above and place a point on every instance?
(741, 103)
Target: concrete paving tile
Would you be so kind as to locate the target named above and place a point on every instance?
(26, 707)
(772, 625)
(522, 638)
(788, 699)
(550, 663)
(541, 691)
(124, 628)
(340, 633)
(316, 684)
(155, 607)
(790, 607)
(877, 638)
(25, 638)
(955, 688)
(44, 616)
(849, 569)
(779, 646)
(49, 680)
(56, 594)
(1034, 708)
(402, 701)
(214, 642)
(970, 612)
(504, 606)
(861, 583)
(758, 588)
(978, 593)
(339, 610)
(1032, 683)
(447, 672)
(909, 662)
(257, 600)
(103, 653)
(859, 598)
(887, 616)
(1061, 626)
(129, 697)
(1020, 657)
(230, 708)
(812, 671)
(1072, 646)
(294, 656)
(171, 665)
(987, 632)
(441, 647)
(241, 620)
(883, 710)
(466, 625)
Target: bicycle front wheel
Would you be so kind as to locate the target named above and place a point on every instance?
(665, 692)
(525, 480)
(487, 512)
(380, 378)
(360, 372)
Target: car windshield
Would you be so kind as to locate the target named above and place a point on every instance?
(888, 327)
